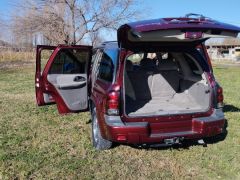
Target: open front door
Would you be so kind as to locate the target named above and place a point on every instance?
(65, 78)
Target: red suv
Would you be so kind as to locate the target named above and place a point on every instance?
(154, 85)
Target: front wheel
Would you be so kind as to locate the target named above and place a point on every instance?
(98, 142)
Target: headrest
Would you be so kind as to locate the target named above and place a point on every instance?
(129, 65)
(147, 63)
(167, 65)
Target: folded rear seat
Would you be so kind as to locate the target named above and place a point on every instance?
(138, 83)
(150, 85)
(165, 81)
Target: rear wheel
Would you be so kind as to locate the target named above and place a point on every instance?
(98, 142)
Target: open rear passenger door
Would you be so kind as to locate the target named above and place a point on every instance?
(64, 80)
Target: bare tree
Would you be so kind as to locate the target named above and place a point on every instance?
(5, 33)
(1, 25)
(73, 21)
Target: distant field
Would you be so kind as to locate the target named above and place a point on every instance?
(39, 143)
(10, 56)
(7, 56)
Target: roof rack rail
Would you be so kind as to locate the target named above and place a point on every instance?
(107, 42)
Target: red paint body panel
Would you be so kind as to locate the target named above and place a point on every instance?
(99, 98)
(142, 135)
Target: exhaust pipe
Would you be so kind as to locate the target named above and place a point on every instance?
(201, 142)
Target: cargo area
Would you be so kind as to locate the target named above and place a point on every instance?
(162, 83)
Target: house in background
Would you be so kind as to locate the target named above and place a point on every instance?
(226, 50)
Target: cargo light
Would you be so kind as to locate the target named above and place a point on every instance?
(193, 35)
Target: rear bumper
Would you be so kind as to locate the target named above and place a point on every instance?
(140, 132)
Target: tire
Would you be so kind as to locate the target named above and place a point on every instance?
(98, 142)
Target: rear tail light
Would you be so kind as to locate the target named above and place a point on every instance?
(112, 105)
(220, 97)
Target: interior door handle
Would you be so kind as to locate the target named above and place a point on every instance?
(79, 79)
(74, 85)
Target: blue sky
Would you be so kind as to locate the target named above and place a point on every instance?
(223, 10)
(5, 8)
(226, 11)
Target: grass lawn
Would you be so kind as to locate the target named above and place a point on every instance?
(39, 143)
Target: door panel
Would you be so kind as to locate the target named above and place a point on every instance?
(71, 89)
(71, 81)
(65, 77)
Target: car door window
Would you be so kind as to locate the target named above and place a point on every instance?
(95, 61)
(45, 55)
(70, 61)
(95, 65)
(106, 68)
(94, 56)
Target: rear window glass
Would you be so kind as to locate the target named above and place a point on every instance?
(163, 61)
(106, 68)
(136, 58)
(106, 64)
(225, 51)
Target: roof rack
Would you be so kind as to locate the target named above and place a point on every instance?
(197, 16)
(108, 42)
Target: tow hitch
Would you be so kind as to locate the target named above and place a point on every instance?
(172, 141)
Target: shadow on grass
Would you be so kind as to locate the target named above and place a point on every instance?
(230, 108)
(89, 121)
